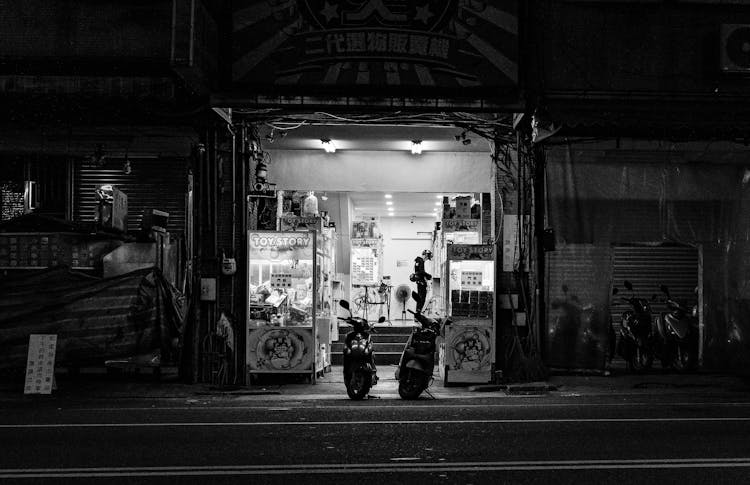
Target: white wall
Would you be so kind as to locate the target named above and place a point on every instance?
(381, 171)
(401, 242)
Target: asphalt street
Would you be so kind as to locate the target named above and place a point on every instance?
(697, 438)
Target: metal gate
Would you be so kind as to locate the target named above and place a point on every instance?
(149, 183)
(647, 268)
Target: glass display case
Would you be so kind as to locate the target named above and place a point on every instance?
(467, 352)
(283, 304)
(325, 310)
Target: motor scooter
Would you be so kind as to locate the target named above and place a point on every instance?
(414, 372)
(360, 373)
(676, 336)
(635, 343)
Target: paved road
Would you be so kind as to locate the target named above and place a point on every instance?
(639, 439)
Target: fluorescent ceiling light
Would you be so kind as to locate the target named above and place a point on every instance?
(388, 196)
(388, 202)
(416, 147)
(328, 145)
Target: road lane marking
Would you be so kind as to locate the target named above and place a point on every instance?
(336, 468)
(373, 422)
(405, 407)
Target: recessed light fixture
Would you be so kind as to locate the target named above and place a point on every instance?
(390, 213)
(328, 145)
(439, 196)
(437, 204)
(416, 147)
(388, 196)
(388, 202)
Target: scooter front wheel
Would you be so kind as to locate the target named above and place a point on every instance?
(358, 384)
(411, 384)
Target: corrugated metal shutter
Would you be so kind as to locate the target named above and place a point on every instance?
(151, 184)
(647, 268)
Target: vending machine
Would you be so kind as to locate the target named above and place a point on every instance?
(467, 352)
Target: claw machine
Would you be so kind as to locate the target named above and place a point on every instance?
(283, 335)
(467, 352)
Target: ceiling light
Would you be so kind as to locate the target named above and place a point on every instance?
(437, 204)
(416, 147)
(390, 214)
(388, 196)
(328, 145)
(439, 196)
(388, 202)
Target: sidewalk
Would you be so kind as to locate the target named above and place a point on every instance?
(331, 387)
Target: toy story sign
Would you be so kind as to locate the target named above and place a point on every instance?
(280, 246)
(348, 46)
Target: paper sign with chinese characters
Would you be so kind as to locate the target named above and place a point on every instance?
(40, 365)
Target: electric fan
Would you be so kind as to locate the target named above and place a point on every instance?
(403, 292)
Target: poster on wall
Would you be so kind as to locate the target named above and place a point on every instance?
(349, 47)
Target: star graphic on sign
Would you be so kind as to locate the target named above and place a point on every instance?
(330, 12)
(423, 13)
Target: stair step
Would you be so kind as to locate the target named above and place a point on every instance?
(380, 338)
(381, 358)
(377, 346)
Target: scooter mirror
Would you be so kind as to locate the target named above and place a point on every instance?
(344, 304)
(628, 285)
(381, 319)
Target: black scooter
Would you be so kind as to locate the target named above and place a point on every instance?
(635, 343)
(360, 373)
(414, 372)
(676, 336)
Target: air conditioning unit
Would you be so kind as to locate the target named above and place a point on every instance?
(735, 48)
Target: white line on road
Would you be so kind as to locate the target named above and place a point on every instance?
(404, 407)
(334, 468)
(374, 422)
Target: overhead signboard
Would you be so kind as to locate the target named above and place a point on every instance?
(410, 48)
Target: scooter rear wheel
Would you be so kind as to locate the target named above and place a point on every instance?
(358, 384)
(411, 385)
(640, 360)
(681, 359)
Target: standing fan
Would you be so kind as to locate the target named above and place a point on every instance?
(403, 292)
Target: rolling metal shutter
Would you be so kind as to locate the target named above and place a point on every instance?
(647, 268)
(151, 184)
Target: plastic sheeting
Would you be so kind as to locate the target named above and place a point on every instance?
(600, 199)
(95, 319)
